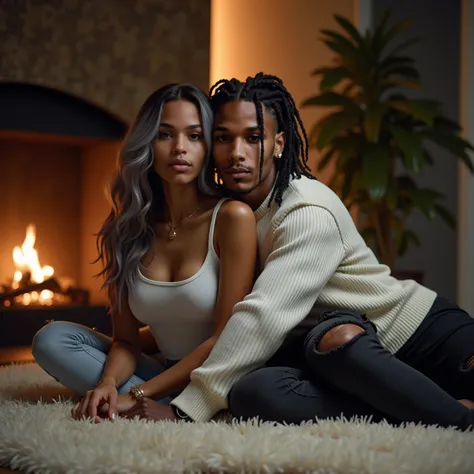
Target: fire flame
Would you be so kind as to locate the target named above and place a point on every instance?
(27, 261)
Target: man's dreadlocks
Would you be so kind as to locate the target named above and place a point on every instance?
(270, 91)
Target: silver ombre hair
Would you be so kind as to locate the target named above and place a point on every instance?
(136, 194)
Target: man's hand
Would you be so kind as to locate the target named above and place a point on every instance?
(148, 409)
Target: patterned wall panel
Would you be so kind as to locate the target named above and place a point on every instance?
(112, 53)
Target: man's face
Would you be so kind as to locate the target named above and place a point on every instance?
(237, 144)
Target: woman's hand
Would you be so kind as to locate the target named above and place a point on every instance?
(103, 399)
(148, 409)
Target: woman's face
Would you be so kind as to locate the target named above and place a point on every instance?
(179, 148)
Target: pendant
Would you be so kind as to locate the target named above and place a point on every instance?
(171, 234)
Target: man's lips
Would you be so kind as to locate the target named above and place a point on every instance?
(237, 172)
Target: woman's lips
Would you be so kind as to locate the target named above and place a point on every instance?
(180, 165)
(181, 168)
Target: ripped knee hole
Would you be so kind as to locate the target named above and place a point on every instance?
(338, 336)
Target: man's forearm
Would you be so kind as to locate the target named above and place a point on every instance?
(120, 365)
(177, 377)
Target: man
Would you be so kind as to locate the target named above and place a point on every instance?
(402, 352)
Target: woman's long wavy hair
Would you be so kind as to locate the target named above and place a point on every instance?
(136, 192)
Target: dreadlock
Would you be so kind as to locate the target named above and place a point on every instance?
(264, 89)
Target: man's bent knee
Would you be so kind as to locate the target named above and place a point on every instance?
(338, 336)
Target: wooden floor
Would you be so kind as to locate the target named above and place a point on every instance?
(5, 470)
(17, 354)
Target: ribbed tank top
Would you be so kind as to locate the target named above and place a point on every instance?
(180, 313)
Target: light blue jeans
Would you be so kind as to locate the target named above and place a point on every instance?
(75, 356)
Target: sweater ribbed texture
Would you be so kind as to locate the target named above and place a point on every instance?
(313, 258)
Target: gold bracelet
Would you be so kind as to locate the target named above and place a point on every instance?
(137, 392)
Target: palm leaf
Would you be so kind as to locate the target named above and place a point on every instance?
(332, 77)
(403, 71)
(333, 124)
(372, 121)
(391, 195)
(341, 48)
(408, 237)
(398, 82)
(331, 99)
(342, 40)
(320, 70)
(423, 109)
(411, 146)
(350, 29)
(378, 42)
(446, 124)
(406, 182)
(392, 61)
(375, 171)
(425, 200)
(395, 30)
(349, 176)
(326, 157)
(347, 147)
(456, 145)
(428, 158)
(404, 45)
(446, 215)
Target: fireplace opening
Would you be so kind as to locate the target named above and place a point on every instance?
(57, 153)
(34, 284)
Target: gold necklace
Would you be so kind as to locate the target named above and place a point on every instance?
(172, 231)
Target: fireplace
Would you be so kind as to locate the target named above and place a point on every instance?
(57, 153)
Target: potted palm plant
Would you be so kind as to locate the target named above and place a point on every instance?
(375, 136)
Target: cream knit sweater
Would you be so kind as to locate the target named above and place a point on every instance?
(310, 252)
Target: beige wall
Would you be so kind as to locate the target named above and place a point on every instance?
(278, 37)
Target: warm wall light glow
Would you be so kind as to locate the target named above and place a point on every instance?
(279, 37)
(233, 32)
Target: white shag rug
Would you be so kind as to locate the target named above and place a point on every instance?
(38, 435)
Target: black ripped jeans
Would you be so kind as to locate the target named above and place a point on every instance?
(420, 383)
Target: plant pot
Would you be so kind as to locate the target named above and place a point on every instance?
(409, 275)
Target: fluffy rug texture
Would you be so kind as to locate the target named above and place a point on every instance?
(38, 435)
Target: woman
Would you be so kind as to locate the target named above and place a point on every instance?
(177, 257)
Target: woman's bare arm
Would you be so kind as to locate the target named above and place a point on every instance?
(122, 358)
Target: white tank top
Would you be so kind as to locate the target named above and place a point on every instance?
(180, 313)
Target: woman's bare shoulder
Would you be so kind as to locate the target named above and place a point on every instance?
(233, 211)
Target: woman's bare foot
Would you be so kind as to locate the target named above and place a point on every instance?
(467, 403)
